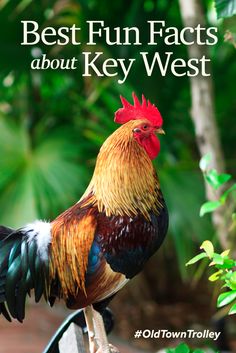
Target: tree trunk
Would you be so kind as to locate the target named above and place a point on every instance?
(202, 111)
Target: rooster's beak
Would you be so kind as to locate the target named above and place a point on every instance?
(160, 131)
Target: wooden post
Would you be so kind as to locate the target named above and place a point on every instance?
(72, 340)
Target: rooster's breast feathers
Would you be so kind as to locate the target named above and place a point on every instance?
(107, 251)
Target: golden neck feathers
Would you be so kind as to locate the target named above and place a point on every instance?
(124, 180)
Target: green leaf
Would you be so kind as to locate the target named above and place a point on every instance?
(225, 8)
(198, 351)
(226, 298)
(209, 207)
(182, 348)
(196, 258)
(208, 247)
(225, 253)
(233, 279)
(215, 276)
(204, 162)
(223, 178)
(211, 178)
(228, 263)
(216, 180)
(217, 259)
(232, 310)
(227, 192)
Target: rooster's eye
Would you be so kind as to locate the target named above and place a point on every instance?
(145, 127)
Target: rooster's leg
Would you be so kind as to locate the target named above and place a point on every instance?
(88, 314)
(100, 334)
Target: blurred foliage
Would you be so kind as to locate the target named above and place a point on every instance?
(53, 123)
(216, 181)
(224, 267)
(184, 348)
(225, 8)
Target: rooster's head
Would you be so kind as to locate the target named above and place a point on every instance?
(146, 123)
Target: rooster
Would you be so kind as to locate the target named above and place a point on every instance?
(89, 252)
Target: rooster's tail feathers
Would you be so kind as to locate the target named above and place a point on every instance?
(24, 265)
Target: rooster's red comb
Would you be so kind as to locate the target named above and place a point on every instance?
(144, 110)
